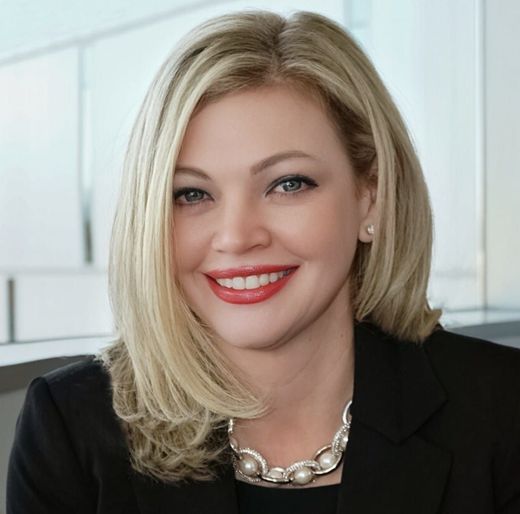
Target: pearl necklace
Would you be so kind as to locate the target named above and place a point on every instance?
(252, 466)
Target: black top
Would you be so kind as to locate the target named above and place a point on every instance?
(435, 430)
(257, 499)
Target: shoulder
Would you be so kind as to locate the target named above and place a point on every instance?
(76, 390)
(80, 396)
(69, 451)
(84, 381)
(77, 372)
(477, 373)
(465, 353)
(480, 422)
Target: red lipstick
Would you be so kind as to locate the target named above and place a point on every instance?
(246, 296)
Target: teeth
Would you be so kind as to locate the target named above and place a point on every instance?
(238, 283)
(251, 281)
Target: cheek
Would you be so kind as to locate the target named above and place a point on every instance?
(190, 244)
(328, 229)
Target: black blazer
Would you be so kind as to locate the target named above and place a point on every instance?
(435, 429)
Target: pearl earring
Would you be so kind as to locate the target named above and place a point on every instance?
(370, 229)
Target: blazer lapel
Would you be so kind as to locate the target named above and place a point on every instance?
(388, 467)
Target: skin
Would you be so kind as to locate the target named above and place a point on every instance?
(297, 346)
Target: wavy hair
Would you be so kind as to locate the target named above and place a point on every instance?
(172, 390)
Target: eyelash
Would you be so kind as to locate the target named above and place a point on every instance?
(292, 178)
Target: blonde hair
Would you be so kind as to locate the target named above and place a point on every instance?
(172, 389)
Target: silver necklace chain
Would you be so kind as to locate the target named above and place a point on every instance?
(253, 467)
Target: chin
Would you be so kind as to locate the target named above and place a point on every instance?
(242, 340)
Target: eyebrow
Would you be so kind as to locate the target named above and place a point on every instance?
(255, 168)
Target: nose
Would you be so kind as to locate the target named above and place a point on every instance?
(240, 226)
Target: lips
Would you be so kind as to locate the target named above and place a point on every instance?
(246, 296)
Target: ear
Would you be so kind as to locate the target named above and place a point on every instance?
(368, 206)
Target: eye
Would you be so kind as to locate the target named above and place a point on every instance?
(292, 185)
(191, 195)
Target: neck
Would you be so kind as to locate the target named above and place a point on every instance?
(307, 382)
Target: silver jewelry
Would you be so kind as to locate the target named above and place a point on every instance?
(370, 229)
(252, 466)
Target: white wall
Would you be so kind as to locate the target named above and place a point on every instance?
(427, 54)
(502, 115)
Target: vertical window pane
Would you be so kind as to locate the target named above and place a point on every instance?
(39, 198)
(426, 53)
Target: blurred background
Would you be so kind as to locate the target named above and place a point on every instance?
(73, 75)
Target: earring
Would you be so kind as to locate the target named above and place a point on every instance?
(370, 229)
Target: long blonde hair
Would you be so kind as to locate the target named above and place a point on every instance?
(172, 389)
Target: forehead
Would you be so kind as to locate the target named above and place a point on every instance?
(259, 121)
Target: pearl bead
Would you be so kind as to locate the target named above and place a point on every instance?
(303, 476)
(344, 441)
(248, 466)
(327, 460)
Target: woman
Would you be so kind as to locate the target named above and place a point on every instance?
(276, 351)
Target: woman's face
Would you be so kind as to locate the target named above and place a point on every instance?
(299, 213)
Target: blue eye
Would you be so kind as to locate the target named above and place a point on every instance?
(295, 179)
(191, 196)
(194, 197)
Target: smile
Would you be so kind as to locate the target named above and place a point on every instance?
(250, 289)
(252, 281)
